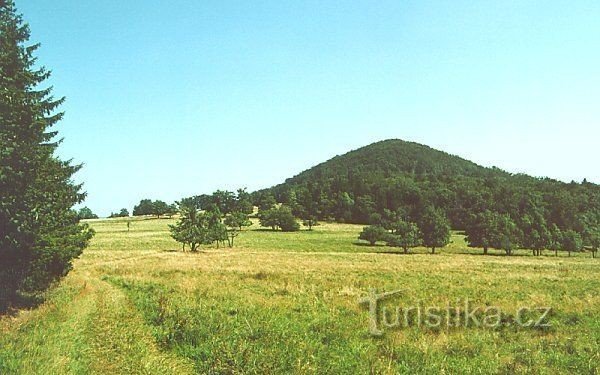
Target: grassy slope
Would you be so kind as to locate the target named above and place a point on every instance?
(287, 302)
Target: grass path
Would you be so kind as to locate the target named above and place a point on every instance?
(86, 327)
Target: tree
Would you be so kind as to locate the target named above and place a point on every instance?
(243, 202)
(533, 225)
(343, 207)
(268, 218)
(372, 234)
(238, 219)
(482, 230)
(595, 242)
(555, 239)
(279, 217)
(85, 214)
(290, 199)
(192, 227)
(406, 235)
(571, 241)
(171, 210)
(491, 229)
(286, 220)
(145, 207)
(123, 213)
(508, 235)
(266, 202)
(364, 207)
(224, 200)
(435, 228)
(394, 220)
(232, 232)
(217, 232)
(159, 208)
(591, 237)
(310, 222)
(40, 233)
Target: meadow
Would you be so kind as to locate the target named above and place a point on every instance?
(288, 303)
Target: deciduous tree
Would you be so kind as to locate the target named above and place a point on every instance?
(372, 234)
(406, 235)
(435, 228)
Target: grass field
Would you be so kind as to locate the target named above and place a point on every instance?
(288, 303)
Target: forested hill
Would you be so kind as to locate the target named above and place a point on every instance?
(405, 177)
(393, 158)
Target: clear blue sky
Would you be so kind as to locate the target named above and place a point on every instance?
(167, 99)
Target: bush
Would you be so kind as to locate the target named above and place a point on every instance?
(281, 218)
(286, 220)
(372, 234)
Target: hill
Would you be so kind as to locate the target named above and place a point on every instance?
(405, 177)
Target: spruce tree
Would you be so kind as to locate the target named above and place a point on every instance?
(39, 232)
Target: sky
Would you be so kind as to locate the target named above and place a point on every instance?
(178, 98)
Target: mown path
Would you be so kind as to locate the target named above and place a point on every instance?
(88, 327)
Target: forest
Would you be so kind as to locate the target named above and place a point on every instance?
(397, 180)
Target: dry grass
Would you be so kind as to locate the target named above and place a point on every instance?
(287, 303)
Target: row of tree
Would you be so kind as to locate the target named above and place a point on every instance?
(146, 207)
(85, 213)
(122, 213)
(156, 208)
(432, 231)
(485, 230)
(492, 229)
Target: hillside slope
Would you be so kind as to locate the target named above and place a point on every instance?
(406, 177)
(392, 158)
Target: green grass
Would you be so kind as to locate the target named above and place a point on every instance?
(288, 303)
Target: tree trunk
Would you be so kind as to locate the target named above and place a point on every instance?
(406, 250)
(433, 250)
(555, 252)
(485, 250)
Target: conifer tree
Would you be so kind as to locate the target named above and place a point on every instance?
(40, 234)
